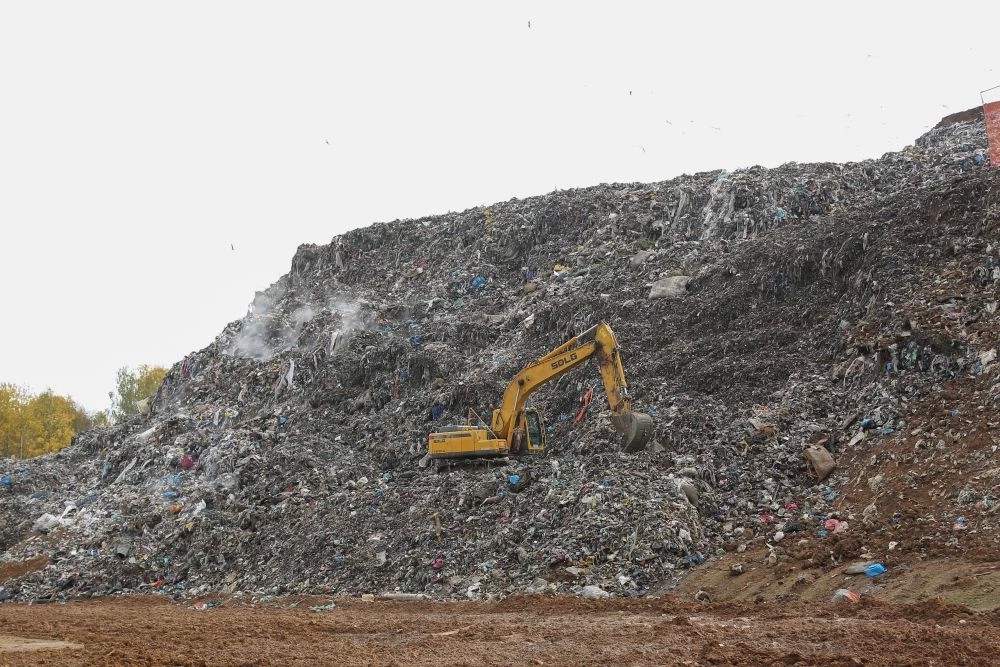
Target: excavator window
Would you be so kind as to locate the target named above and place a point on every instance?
(533, 424)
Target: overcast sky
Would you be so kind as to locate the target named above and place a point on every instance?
(160, 162)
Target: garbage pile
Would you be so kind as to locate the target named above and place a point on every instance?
(767, 318)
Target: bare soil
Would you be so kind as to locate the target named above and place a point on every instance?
(19, 568)
(516, 631)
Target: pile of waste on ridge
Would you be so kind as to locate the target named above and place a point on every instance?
(760, 312)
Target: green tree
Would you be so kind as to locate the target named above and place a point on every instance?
(100, 419)
(133, 386)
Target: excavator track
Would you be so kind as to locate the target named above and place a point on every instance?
(448, 465)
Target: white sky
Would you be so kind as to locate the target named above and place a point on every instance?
(139, 140)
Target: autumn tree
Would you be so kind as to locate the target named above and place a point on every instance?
(54, 418)
(14, 424)
(131, 387)
(31, 425)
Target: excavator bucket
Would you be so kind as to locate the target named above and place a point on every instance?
(636, 429)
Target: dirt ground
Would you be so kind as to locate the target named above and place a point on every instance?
(516, 631)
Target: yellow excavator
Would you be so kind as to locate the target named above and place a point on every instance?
(517, 430)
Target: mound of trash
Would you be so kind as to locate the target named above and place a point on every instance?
(780, 326)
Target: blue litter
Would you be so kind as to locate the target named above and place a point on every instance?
(6, 481)
(875, 569)
(514, 479)
(478, 282)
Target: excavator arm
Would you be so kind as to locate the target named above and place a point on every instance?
(636, 427)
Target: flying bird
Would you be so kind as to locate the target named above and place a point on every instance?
(529, 25)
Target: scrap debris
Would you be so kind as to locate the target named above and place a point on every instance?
(766, 313)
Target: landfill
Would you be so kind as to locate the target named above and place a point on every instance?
(813, 342)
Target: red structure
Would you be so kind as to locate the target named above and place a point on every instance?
(991, 110)
(991, 113)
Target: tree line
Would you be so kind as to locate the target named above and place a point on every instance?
(35, 424)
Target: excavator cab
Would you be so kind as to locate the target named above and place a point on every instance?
(534, 428)
(529, 434)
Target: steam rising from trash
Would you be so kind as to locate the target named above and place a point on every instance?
(266, 331)
(350, 321)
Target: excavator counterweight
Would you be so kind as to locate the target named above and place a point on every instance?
(517, 430)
